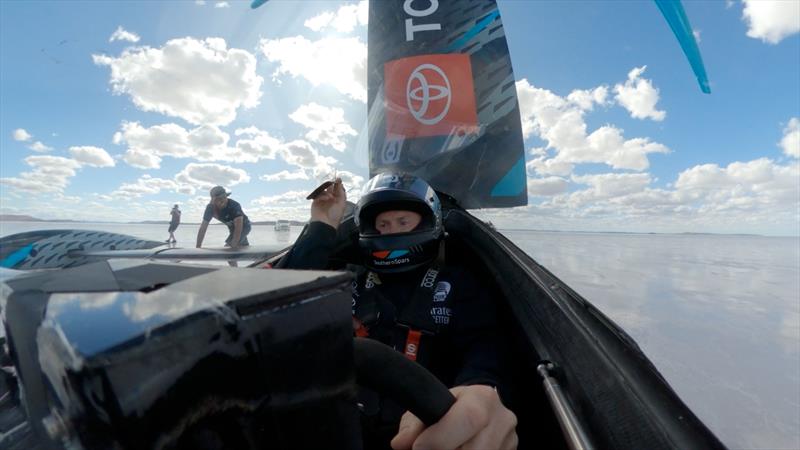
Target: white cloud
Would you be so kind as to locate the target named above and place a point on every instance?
(352, 182)
(609, 185)
(298, 211)
(344, 20)
(49, 174)
(326, 125)
(141, 159)
(147, 185)
(222, 5)
(257, 144)
(40, 147)
(560, 123)
(757, 177)
(755, 194)
(338, 62)
(91, 156)
(205, 176)
(547, 186)
(791, 138)
(121, 34)
(299, 174)
(200, 81)
(302, 154)
(200, 2)
(585, 100)
(549, 166)
(21, 135)
(639, 96)
(771, 20)
(287, 198)
(320, 21)
(147, 146)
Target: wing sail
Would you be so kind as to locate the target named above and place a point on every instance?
(442, 99)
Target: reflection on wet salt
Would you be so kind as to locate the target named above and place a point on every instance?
(718, 315)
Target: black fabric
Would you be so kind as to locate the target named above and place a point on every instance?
(312, 249)
(175, 219)
(466, 350)
(227, 214)
(243, 242)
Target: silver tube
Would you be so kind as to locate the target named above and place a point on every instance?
(576, 436)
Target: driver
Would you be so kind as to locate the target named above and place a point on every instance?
(405, 296)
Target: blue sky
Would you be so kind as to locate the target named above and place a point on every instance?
(116, 110)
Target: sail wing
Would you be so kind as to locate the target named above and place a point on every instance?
(442, 99)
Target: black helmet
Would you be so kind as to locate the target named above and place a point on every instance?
(401, 251)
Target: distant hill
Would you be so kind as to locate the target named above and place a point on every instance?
(18, 218)
(25, 218)
(294, 223)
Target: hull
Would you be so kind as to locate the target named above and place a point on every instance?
(618, 396)
(57, 249)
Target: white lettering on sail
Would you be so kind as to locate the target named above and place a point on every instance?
(411, 27)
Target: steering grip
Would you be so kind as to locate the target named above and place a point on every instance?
(382, 369)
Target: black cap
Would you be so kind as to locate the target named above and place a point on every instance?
(219, 191)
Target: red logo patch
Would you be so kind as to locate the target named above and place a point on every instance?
(381, 254)
(430, 95)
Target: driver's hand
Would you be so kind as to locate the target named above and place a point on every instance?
(328, 207)
(477, 421)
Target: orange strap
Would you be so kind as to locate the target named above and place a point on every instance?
(412, 344)
(361, 330)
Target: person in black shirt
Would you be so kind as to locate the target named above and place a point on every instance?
(434, 311)
(175, 220)
(229, 212)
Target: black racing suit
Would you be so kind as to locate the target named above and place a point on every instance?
(465, 348)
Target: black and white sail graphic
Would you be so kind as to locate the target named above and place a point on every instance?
(442, 99)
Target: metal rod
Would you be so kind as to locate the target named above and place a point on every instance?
(576, 436)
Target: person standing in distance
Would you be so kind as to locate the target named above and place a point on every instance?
(175, 220)
(229, 212)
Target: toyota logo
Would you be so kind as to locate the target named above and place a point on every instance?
(426, 92)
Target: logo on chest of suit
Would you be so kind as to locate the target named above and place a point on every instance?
(441, 315)
(429, 278)
(372, 280)
(441, 291)
(390, 257)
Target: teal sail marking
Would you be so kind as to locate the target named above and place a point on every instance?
(513, 183)
(673, 12)
(474, 31)
(13, 259)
